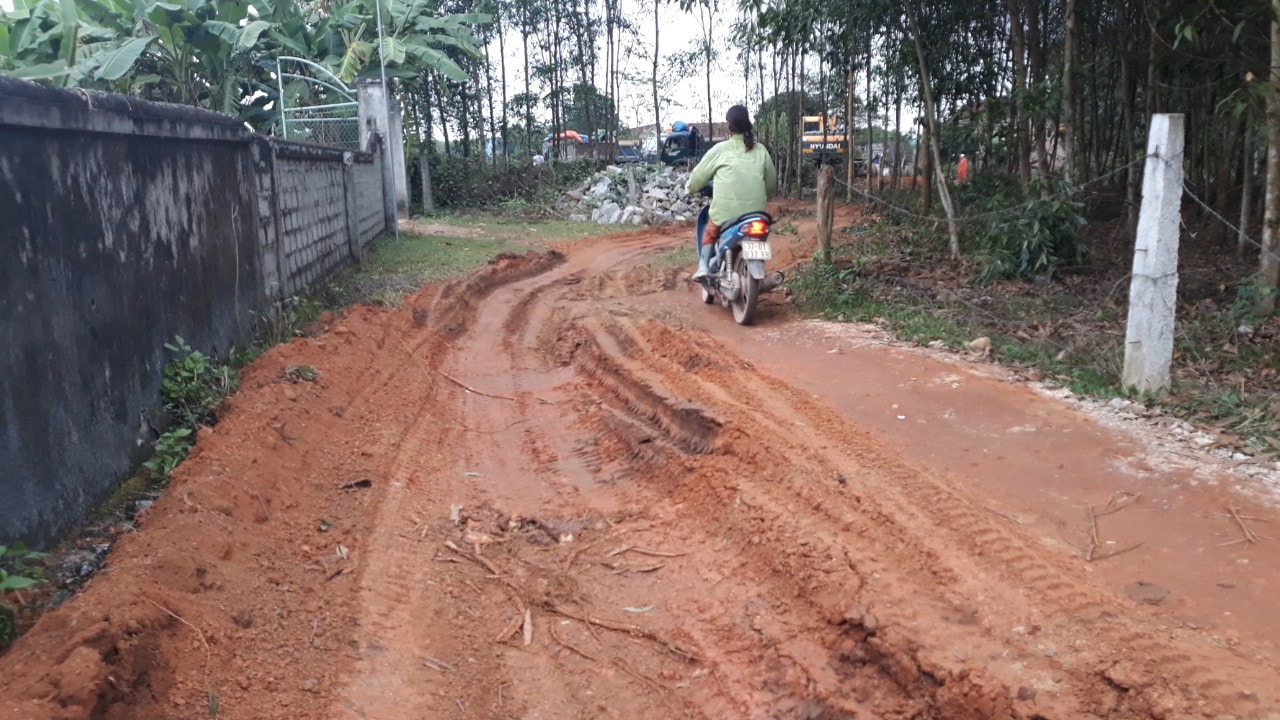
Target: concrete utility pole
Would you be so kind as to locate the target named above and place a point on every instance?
(1148, 349)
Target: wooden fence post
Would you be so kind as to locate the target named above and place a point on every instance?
(826, 209)
(1148, 349)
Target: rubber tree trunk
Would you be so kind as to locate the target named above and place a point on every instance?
(931, 117)
(1070, 50)
(848, 137)
(424, 168)
(1018, 48)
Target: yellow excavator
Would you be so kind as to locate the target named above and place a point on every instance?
(823, 140)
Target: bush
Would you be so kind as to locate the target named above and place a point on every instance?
(194, 384)
(19, 570)
(1022, 237)
(458, 182)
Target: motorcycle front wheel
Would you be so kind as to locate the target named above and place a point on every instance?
(744, 301)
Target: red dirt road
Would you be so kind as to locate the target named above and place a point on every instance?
(563, 488)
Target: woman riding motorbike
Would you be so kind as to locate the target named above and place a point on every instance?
(744, 175)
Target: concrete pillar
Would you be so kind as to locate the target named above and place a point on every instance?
(396, 137)
(1148, 349)
(372, 105)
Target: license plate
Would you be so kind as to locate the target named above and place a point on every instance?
(756, 250)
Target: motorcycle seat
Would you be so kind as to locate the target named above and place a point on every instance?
(747, 217)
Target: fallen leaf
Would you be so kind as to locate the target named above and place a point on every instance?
(644, 609)
(343, 552)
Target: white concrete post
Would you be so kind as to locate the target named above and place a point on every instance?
(1148, 349)
(371, 104)
(396, 137)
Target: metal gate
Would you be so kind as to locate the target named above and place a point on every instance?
(333, 120)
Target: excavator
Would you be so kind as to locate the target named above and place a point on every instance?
(823, 140)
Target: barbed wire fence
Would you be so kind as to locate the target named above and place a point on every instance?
(1241, 234)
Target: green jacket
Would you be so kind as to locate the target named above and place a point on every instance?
(743, 179)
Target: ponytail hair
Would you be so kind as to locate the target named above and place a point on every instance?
(740, 124)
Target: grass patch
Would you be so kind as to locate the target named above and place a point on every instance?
(676, 257)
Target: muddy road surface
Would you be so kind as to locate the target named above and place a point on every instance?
(537, 493)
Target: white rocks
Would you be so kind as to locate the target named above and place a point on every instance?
(659, 197)
(607, 214)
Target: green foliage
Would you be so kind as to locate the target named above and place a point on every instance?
(19, 570)
(194, 384)
(217, 54)
(171, 449)
(1023, 236)
(1248, 307)
(475, 183)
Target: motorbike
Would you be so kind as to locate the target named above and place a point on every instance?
(737, 272)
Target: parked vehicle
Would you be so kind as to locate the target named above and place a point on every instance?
(630, 154)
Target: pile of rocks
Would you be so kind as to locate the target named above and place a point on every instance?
(634, 195)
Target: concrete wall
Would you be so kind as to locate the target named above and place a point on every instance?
(122, 224)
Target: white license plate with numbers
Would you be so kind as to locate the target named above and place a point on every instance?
(756, 250)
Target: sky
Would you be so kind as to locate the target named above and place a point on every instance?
(684, 92)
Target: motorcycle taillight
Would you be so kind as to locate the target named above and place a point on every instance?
(756, 228)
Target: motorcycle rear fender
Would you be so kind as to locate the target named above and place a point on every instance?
(756, 268)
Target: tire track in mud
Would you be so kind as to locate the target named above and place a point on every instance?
(1181, 675)
(904, 607)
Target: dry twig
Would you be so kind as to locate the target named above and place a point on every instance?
(1250, 537)
(573, 648)
(478, 559)
(437, 664)
(673, 647)
(643, 551)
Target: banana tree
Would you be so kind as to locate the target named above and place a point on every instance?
(219, 53)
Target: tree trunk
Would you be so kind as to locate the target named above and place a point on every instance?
(1070, 138)
(1036, 66)
(871, 122)
(528, 107)
(493, 123)
(424, 168)
(897, 137)
(711, 123)
(1018, 48)
(1269, 257)
(931, 117)
(502, 60)
(849, 145)
(657, 107)
(926, 169)
(1129, 139)
(1246, 197)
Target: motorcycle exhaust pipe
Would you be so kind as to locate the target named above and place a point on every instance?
(772, 281)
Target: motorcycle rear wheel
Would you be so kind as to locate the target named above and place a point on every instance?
(748, 295)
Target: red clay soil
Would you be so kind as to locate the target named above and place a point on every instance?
(563, 488)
